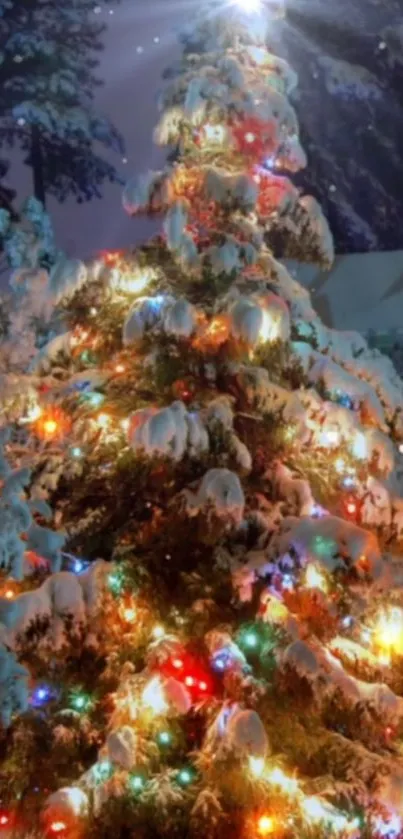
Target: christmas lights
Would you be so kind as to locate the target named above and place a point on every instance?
(256, 766)
(388, 632)
(185, 777)
(127, 281)
(164, 738)
(315, 579)
(81, 702)
(136, 783)
(265, 826)
(204, 683)
(40, 696)
(58, 827)
(102, 771)
(153, 697)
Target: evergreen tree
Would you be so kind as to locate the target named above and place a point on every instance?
(47, 83)
(7, 194)
(232, 666)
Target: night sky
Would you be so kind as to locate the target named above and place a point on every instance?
(351, 119)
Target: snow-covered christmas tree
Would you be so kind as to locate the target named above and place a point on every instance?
(201, 517)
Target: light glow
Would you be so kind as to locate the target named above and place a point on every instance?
(131, 283)
(58, 827)
(268, 329)
(33, 414)
(359, 446)
(50, 427)
(265, 826)
(103, 420)
(153, 697)
(249, 6)
(319, 811)
(315, 579)
(389, 632)
(256, 766)
(279, 779)
(331, 437)
(129, 614)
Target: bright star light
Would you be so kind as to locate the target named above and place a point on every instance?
(249, 5)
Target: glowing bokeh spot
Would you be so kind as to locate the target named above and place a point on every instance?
(265, 826)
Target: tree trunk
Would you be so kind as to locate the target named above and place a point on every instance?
(37, 165)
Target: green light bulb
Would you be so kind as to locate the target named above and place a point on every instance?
(164, 738)
(95, 399)
(115, 583)
(137, 783)
(102, 770)
(184, 777)
(251, 640)
(80, 702)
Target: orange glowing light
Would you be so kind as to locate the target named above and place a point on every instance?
(4, 820)
(265, 826)
(120, 368)
(9, 594)
(52, 423)
(214, 334)
(111, 257)
(177, 663)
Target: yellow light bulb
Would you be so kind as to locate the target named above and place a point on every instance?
(50, 426)
(103, 420)
(389, 631)
(267, 330)
(256, 766)
(265, 826)
(314, 579)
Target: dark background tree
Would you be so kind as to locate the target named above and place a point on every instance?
(47, 83)
(348, 56)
